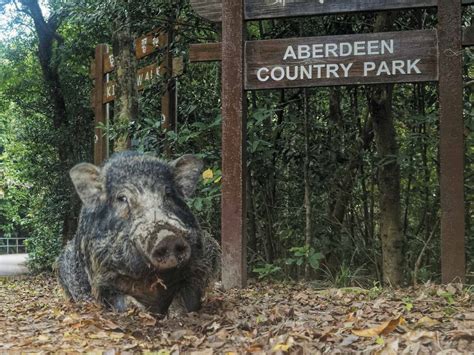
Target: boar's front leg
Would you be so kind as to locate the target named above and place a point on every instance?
(113, 299)
(191, 297)
(162, 302)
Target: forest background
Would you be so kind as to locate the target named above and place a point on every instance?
(343, 182)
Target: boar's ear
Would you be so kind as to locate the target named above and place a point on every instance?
(86, 180)
(186, 173)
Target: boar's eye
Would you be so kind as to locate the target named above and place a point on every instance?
(122, 199)
(168, 191)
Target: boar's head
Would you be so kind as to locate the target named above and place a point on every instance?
(135, 220)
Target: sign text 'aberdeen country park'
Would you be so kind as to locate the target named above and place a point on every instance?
(342, 60)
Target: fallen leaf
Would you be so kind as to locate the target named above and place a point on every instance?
(417, 335)
(149, 320)
(109, 325)
(349, 340)
(116, 335)
(383, 329)
(129, 346)
(254, 349)
(159, 352)
(202, 352)
(426, 322)
(98, 335)
(158, 282)
(178, 334)
(390, 348)
(43, 338)
(281, 347)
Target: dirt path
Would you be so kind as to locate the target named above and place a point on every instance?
(14, 264)
(265, 318)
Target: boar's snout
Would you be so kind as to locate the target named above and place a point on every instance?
(170, 253)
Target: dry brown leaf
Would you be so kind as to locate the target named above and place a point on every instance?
(129, 346)
(148, 319)
(418, 335)
(349, 340)
(109, 325)
(281, 347)
(390, 348)
(116, 335)
(202, 352)
(382, 329)
(43, 338)
(426, 322)
(254, 349)
(158, 282)
(99, 335)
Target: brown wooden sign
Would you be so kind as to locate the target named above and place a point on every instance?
(145, 76)
(391, 57)
(148, 44)
(211, 52)
(144, 46)
(205, 52)
(107, 64)
(261, 9)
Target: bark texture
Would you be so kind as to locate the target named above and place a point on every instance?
(380, 103)
(48, 37)
(126, 101)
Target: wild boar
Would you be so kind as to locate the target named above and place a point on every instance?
(137, 236)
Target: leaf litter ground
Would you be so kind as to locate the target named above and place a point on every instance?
(264, 318)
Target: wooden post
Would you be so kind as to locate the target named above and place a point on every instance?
(168, 100)
(453, 258)
(234, 127)
(100, 142)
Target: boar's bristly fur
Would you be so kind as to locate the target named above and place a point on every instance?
(137, 237)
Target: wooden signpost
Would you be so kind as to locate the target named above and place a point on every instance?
(104, 89)
(451, 148)
(397, 57)
(262, 9)
(234, 137)
(100, 142)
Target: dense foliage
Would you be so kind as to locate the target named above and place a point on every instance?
(344, 244)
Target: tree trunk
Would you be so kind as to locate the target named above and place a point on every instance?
(47, 37)
(380, 103)
(126, 102)
(308, 231)
(380, 106)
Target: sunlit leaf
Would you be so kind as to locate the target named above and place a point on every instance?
(383, 329)
(208, 174)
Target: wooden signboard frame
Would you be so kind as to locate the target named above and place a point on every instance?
(264, 9)
(444, 64)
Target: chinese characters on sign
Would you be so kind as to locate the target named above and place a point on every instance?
(147, 45)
